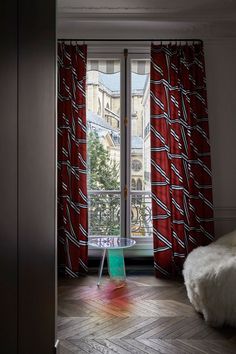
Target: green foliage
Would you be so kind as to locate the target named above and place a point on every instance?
(103, 175)
(104, 172)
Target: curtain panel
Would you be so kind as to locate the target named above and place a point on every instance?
(180, 156)
(72, 178)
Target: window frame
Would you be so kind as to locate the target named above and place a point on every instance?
(140, 240)
(144, 244)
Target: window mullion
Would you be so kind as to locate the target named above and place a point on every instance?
(128, 141)
(122, 147)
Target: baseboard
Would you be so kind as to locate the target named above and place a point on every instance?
(142, 265)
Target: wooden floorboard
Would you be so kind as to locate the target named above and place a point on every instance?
(148, 315)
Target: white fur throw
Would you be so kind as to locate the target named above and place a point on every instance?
(210, 278)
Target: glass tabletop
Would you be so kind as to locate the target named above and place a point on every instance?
(111, 242)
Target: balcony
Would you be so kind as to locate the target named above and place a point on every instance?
(104, 213)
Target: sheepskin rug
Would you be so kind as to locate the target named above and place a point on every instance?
(210, 278)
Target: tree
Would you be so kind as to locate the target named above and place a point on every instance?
(103, 171)
(103, 175)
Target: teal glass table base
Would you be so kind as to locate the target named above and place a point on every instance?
(112, 246)
(116, 264)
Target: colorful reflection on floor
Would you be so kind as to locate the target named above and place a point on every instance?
(115, 297)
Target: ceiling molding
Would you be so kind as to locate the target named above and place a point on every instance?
(205, 18)
(148, 29)
(192, 10)
(154, 16)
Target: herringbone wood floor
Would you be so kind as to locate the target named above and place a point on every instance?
(146, 316)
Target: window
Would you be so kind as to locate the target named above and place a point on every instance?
(133, 183)
(139, 184)
(103, 150)
(118, 156)
(136, 165)
(99, 107)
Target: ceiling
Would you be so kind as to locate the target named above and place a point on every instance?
(212, 9)
(168, 17)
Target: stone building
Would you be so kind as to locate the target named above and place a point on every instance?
(103, 115)
(146, 136)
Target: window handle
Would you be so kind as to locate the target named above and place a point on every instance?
(125, 192)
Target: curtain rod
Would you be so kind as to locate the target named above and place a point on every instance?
(131, 40)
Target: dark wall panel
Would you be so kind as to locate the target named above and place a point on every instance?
(8, 176)
(36, 176)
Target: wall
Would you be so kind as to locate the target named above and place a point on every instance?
(218, 30)
(28, 178)
(36, 176)
(220, 56)
(8, 177)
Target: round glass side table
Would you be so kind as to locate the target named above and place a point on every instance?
(112, 246)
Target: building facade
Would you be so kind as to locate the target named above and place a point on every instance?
(103, 116)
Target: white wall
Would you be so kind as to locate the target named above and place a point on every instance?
(220, 56)
(220, 51)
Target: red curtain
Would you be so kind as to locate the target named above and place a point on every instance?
(72, 179)
(180, 156)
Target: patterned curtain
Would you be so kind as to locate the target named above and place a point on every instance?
(72, 179)
(180, 156)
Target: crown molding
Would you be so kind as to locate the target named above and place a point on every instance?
(115, 18)
(93, 15)
(149, 29)
(162, 10)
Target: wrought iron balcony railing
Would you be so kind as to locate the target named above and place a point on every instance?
(104, 213)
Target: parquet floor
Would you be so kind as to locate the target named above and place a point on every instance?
(146, 316)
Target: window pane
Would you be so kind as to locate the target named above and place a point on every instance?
(103, 123)
(140, 125)
(140, 183)
(103, 147)
(141, 215)
(104, 214)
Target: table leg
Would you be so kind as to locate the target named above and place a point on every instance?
(101, 267)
